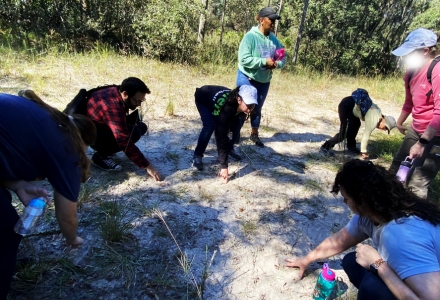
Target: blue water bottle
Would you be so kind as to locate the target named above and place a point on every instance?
(325, 283)
(32, 212)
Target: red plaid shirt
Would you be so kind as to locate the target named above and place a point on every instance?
(106, 106)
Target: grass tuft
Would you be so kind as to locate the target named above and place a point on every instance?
(113, 227)
(248, 227)
(184, 262)
(87, 194)
(118, 263)
(169, 110)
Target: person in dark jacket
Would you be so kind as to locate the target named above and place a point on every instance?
(46, 144)
(220, 109)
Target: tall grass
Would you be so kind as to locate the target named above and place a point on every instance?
(386, 146)
(114, 227)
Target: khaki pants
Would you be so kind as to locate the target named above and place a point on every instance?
(424, 169)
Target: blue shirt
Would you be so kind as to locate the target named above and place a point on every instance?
(33, 145)
(410, 246)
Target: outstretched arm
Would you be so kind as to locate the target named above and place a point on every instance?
(334, 244)
(66, 214)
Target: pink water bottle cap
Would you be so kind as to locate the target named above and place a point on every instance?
(328, 273)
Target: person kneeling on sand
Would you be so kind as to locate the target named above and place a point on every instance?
(117, 130)
(403, 227)
(220, 110)
(351, 111)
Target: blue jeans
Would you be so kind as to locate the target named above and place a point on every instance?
(209, 121)
(262, 89)
(370, 286)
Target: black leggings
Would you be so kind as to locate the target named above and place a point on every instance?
(106, 143)
(370, 286)
(349, 124)
(9, 242)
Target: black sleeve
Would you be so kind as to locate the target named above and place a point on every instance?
(222, 127)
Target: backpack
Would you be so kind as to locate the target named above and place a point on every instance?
(78, 105)
(428, 75)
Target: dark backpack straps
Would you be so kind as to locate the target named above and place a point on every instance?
(408, 78)
(429, 73)
(431, 67)
(89, 92)
(79, 104)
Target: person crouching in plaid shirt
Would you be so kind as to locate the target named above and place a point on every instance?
(117, 130)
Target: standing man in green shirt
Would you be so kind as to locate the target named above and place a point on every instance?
(351, 111)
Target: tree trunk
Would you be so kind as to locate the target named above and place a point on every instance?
(201, 34)
(223, 21)
(280, 6)
(300, 30)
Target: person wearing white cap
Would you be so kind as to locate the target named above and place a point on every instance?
(422, 101)
(220, 109)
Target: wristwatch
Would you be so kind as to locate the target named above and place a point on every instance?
(423, 141)
(375, 266)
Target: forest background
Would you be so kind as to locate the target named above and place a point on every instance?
(57, 47)
(339, 36)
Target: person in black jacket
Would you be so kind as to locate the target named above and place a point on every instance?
(220, 109)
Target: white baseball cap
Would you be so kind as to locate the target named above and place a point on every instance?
(417, 39)
(249, 94)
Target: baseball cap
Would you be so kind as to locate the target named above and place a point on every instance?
(268, 12)
(249, 94)
(390, 122)
(417, 39)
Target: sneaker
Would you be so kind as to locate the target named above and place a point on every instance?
(326, 146)
(354, 150)
(234, 154)
(254, 138)
(197, 162)
(327, 151)
(105, 163)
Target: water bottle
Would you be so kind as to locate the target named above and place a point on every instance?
(32, 212)
(404, 169)
(325, 283)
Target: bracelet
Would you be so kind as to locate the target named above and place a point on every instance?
(378, 262)
(375, 266)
